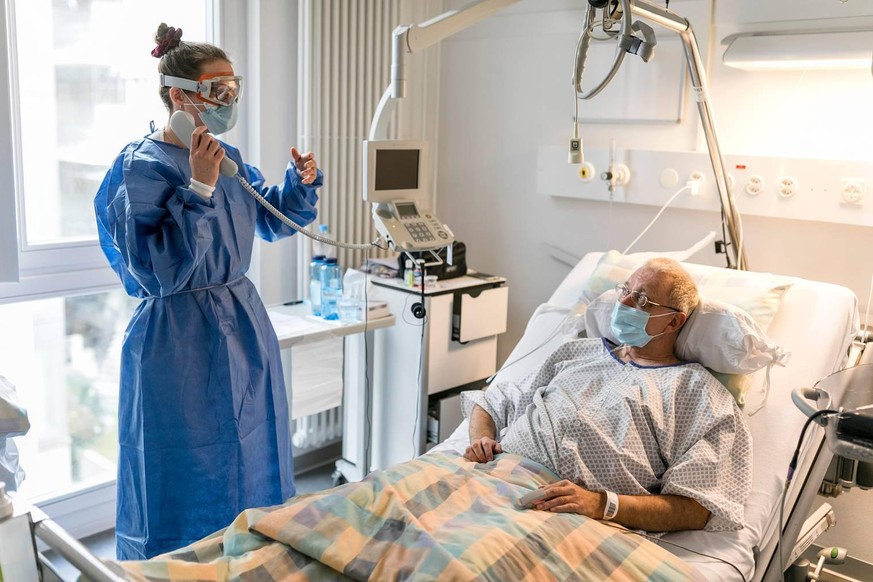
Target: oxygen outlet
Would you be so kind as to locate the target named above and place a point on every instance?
(586, 172)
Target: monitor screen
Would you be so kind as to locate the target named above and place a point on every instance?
(397, 169)
(406, 210)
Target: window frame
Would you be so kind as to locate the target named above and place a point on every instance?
(56, 270)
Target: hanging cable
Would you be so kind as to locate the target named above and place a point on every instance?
(657, 216)
(263, 201)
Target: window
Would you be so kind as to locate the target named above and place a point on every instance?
(80, 83)
(63, 357)
(87, 84)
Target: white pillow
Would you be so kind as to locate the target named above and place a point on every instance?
(717, 335)
(758, 294)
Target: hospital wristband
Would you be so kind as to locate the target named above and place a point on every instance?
(201, 189)
(611, 508)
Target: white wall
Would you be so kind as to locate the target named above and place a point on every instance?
(505, 91)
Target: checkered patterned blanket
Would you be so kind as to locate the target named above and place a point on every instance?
(435, 517)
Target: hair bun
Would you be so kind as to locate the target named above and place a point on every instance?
(167, 38)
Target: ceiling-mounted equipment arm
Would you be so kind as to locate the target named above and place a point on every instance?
(681, 26)
(417, 37)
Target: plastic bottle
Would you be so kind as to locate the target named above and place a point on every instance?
(320, 248)
(315, 284)
(331, 288)
(408, 275)
(416, 275)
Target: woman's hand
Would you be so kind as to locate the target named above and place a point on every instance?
(305, 165)
(482, 450)
(205, 157)
(567, 497)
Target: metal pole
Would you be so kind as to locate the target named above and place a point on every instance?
(74, 552)
(676, 23)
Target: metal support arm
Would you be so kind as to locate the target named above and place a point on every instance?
(674, 22)
(417, 37)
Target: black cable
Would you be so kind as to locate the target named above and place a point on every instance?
(724, 239)
(420, 386)
(367, 404)
(792, 466)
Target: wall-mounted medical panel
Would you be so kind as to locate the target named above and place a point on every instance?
(802, 189)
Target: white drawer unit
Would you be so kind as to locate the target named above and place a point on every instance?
(418, 360)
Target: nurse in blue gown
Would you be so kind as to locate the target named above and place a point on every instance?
(203, 416)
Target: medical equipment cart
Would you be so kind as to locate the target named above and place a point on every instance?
(421, 361)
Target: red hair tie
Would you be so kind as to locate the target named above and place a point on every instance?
(171, 40)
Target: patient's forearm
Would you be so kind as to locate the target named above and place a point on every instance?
(481, 424)
(661, 512)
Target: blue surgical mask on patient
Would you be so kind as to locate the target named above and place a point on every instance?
(629, 325)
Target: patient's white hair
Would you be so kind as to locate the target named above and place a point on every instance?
(683, 290)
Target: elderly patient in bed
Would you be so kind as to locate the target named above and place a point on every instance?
(630, 424)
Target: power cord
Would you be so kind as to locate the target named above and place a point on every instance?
(520, 358)
(420, 386)
(367, 404)
(687, 186)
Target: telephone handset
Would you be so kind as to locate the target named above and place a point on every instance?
(408, 228)
(182, 124)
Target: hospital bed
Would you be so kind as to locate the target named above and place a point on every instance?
(816, 322)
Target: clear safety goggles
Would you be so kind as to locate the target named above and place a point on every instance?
(217, 89)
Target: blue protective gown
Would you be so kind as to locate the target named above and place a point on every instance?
(203, 418)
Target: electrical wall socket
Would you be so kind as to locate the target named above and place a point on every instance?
(787, 187)
(852, 191)
(754, 185)
(832, 191)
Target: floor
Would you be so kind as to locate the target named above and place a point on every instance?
(102, 545)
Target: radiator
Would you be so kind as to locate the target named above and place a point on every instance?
(344, 63)
(318, 429)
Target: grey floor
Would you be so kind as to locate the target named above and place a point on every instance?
(102, 545)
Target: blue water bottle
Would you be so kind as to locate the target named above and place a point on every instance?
(315, 284)
(331, 288)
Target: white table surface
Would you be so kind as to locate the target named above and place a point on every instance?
(295, 324)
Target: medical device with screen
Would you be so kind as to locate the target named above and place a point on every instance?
(396, 170)
(397, 182)
(410, 228)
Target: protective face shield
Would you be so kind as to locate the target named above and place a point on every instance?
(629, 325)
(221, 89)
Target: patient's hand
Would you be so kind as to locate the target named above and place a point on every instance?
(482, 450)
(567, 497)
